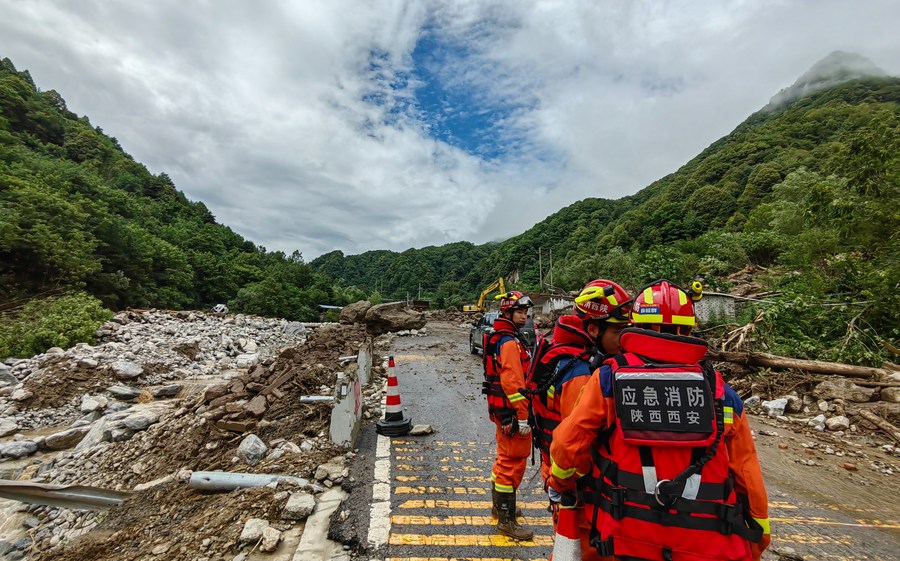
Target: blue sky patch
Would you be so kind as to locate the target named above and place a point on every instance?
(448, 92)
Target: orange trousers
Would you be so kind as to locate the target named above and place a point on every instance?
(588, 553)
(512, 457)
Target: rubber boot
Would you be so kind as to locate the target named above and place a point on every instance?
(495, 513)
(507, 524)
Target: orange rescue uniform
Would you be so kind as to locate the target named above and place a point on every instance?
(596, 412)
(512, 451)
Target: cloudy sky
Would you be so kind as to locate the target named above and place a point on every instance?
(389, 124)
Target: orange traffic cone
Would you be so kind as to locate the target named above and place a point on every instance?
(393, 423)
(566, 542)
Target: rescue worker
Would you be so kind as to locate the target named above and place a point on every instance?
(506, 359)
(589, 335)
(674, 464)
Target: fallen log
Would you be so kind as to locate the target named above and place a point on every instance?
(786, 363)
(887, 427)
(868, 384)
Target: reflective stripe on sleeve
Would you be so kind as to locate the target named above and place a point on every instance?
(560, 473)
(729, 415)
(764, 522)
(515, 397)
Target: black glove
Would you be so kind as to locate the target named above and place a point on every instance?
(509, 425)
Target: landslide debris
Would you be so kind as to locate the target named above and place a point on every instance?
(162, 395)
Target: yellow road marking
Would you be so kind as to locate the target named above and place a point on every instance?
(400, 520)
(843, 508)
(402, 441)
(467, 540)
(421, 490)
(876, 522)
(415, 503)
(888, 525)
(781, 504)
(424, 468)
(448, 479)
(468, 478)
(458, 559)
(809, 539)
(411, 478)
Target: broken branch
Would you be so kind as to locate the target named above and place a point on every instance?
(887, 427)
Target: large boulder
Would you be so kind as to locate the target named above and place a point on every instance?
(356, 312)
(19, 449)
(65, 439)
(384, 318)
(126, 370)
(8, 426)
(252, 450)
(6, 377)
(842, 388)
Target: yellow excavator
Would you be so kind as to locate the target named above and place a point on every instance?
(479, 306)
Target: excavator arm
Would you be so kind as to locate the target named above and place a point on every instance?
(479, 306)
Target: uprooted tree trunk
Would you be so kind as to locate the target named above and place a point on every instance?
(781, 362)
(887, 427)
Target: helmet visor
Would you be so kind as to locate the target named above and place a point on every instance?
(523, 302)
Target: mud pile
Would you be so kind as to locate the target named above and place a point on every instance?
(274, 391)
(451, 314)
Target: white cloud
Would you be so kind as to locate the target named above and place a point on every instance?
(258, 110)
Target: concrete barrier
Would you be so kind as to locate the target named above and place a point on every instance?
(347, 411)
(364, 362)
(348, 401)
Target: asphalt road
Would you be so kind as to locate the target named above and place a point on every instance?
(438, 504)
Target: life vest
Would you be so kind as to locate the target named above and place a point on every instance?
(552, 361)
(492, 388)
(661, 473)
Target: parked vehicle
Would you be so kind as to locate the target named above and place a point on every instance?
(486, 325)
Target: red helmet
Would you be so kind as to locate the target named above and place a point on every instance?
(663, 303)
(512, 300)
(604, 300)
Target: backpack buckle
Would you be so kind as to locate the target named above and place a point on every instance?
(663, 498)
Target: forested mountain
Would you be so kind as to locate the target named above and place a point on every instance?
(844, 135)
(808, 186)
(79, 214)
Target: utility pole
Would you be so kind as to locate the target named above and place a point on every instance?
(550, 272)
(541, 269)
